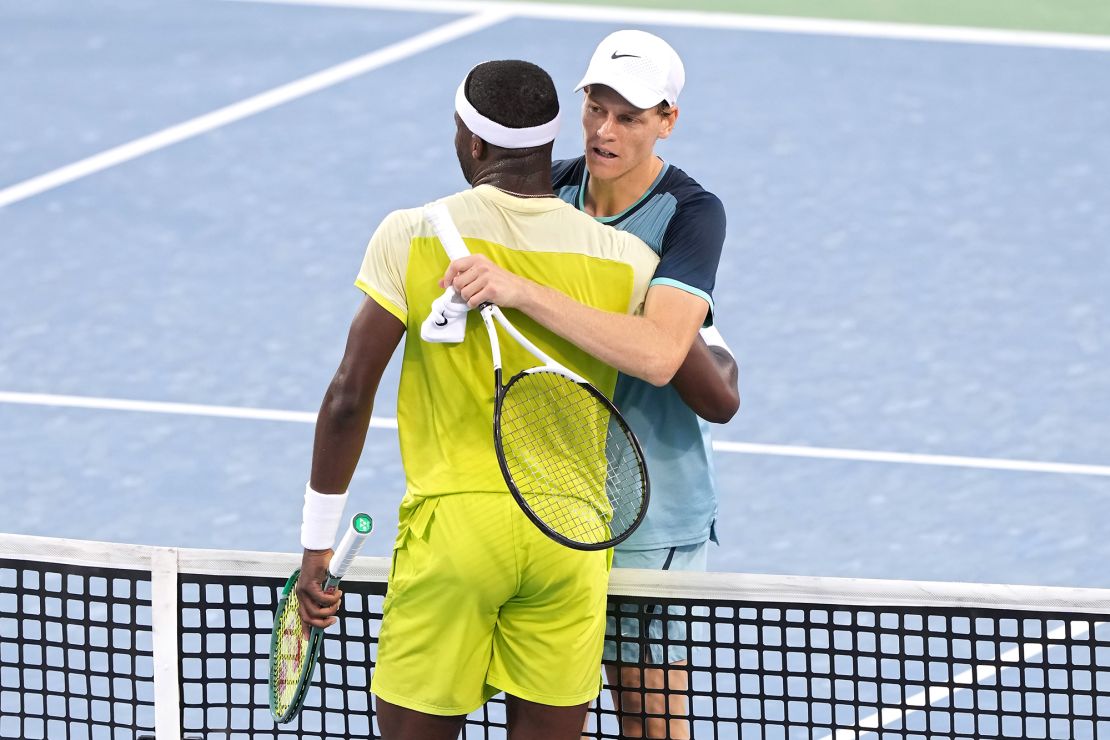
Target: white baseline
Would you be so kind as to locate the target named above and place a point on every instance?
(735, 21)
(487, 14)
(307, 417)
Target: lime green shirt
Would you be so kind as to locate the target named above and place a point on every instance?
(446, 394)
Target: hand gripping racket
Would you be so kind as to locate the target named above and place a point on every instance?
(567, 455)
(292, 655)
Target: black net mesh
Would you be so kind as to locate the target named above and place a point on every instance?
(76, 662)
(75, 652)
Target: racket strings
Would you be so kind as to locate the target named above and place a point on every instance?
(572, 461)
(289, 654)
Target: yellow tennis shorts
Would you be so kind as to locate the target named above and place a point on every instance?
(480, 601)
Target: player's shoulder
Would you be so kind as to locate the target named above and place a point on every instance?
(597, 229)
(630, 248)
(625, 239)
(567, 171)
(397, 228)
(402, 218)
(464, 206)
(689, 193)
(402, 225)
(604, 240)
(461, 200)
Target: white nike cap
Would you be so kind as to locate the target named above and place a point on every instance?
(643, 68)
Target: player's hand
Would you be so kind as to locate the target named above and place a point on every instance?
(478, 281)
(317, 607)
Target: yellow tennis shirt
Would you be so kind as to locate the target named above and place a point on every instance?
(446, 394)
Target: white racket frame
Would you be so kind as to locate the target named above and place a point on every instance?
(444, 226)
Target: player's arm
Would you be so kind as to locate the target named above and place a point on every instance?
(651, 347)
(708, 380)
(345, 411)
(340, 433)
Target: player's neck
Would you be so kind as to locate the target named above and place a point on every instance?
(531, 184)
(611, 197)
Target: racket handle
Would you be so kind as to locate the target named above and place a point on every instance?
(360, 528)
(440, 219)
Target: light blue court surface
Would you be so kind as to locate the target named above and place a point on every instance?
(916, 263)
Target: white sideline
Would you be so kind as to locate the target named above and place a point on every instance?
(249, 107)
(921, 701)
(747, 448)
(912, 458)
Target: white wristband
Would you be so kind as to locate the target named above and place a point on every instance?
(713, 338)
(320, 518)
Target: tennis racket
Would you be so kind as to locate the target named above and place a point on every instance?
(292, 655)
(567, 455)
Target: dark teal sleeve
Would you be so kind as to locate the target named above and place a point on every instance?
(692, 246)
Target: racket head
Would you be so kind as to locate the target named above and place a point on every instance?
(570, 459)
(292, 656)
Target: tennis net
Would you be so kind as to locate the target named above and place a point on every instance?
(124, 641)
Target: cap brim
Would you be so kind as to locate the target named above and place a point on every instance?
(638, 95)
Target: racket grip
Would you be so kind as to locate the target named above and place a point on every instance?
(359, 529)
(440, 218)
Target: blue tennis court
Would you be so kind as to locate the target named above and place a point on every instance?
(916, 265)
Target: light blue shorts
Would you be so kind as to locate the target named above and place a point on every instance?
(634, 616)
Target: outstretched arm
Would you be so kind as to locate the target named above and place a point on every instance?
(708, 380)
(651, 347)
(340, 433)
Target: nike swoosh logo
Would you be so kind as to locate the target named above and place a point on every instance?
(442, 323)
(621, 56)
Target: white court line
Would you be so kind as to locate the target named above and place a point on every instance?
(305, 417)
(251, 106)
(160, 407)
(909, 458)
(921, 701)
(491, 13)
(737, 21)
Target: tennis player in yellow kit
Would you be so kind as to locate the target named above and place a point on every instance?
(479, 600)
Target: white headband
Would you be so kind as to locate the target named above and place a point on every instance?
(503, 136)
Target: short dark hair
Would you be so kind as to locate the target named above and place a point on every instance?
(512, 93)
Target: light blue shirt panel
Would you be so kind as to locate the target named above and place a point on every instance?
(651, 221)
(679, 454)
(676, 442)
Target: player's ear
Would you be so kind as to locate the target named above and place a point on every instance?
(670, 118)
(478, 147)
(668, 115)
